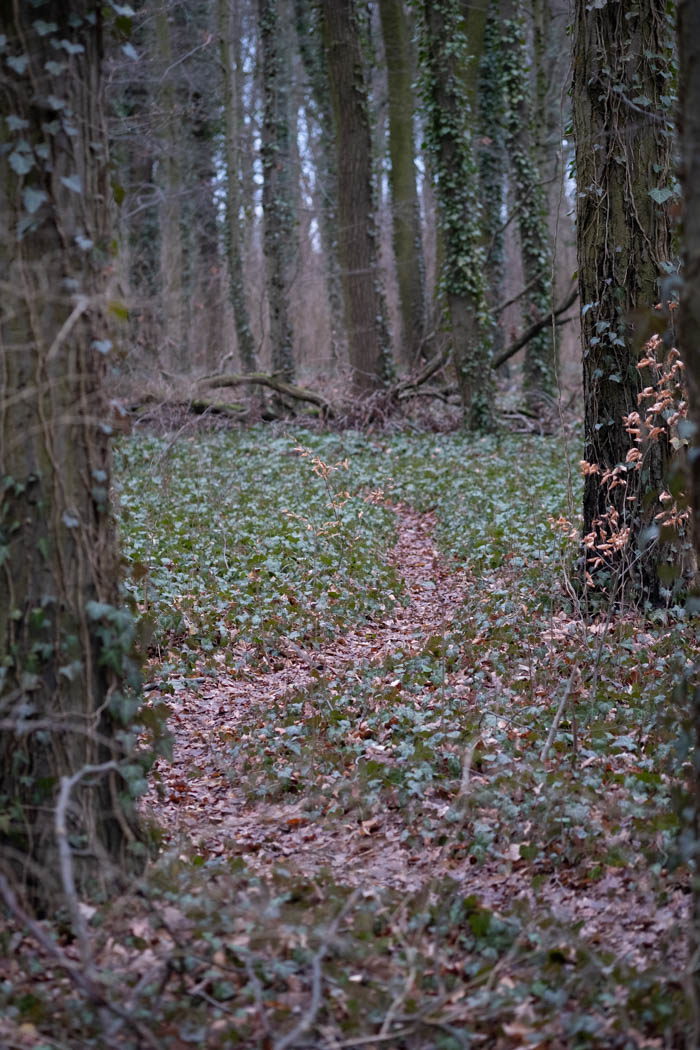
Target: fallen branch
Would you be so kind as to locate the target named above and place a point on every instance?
(534, 329)
(297, 393)
(426, 373)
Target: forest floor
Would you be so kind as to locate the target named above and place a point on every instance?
(417, 796)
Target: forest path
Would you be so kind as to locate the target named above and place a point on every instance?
(195, 799)
(207, 812)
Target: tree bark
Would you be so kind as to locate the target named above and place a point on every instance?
(492, 165)
(64, 642)
(325, 192)
(446, 87)
(689, 330)
(623, 158)
(365, 311)
(234, 228)
(279, 229)
(405, 209)
(539, 372)
(171, 241)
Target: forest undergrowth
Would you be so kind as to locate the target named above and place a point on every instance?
(419, 796)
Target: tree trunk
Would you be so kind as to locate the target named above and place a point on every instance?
(405, 209)
(623, 161)
(539, 374)
(279, 228)
(64, 701)
(492, 166)
(689, 114)
(447, 81)
(234, 226)
(206, 334)
(326, 176)
(171, 241)
(365, 311)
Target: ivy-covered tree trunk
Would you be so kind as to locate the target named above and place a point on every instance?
(234, 234)
(492, 165)
(622, 53)
(279, 228)
(405, 209)
(689, 325)
(446, 80)
(539, 373)
(64, 642)
(365, 311)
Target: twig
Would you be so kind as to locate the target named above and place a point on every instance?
(66, 859)
(78, 310)
(308, 1019)
(83, 982)
(560, 712)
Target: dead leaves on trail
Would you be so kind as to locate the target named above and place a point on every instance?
(341, 806)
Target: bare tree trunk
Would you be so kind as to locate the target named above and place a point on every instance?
(365, 312)
(65, 703)
(234, 224)
(326, 176)
(405, 209)
(280, 239)
(171, 245)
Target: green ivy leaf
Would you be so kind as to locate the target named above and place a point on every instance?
(44, 28)
(72, 182)
(33, 199)
(18, 62)
(660, 194)
(21, 162)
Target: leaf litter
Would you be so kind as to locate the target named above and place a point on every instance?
(369, 835)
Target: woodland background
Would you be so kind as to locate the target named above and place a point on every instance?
(348, 568)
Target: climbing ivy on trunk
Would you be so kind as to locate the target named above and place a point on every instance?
(622, 108)
(445, 61)
(68, 683)
(539, 374)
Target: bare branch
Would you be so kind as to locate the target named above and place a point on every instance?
(533, 330)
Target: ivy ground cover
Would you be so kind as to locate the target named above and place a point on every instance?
(419, 796)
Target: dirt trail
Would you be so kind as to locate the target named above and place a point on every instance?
(213, 815)
(208, 813)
